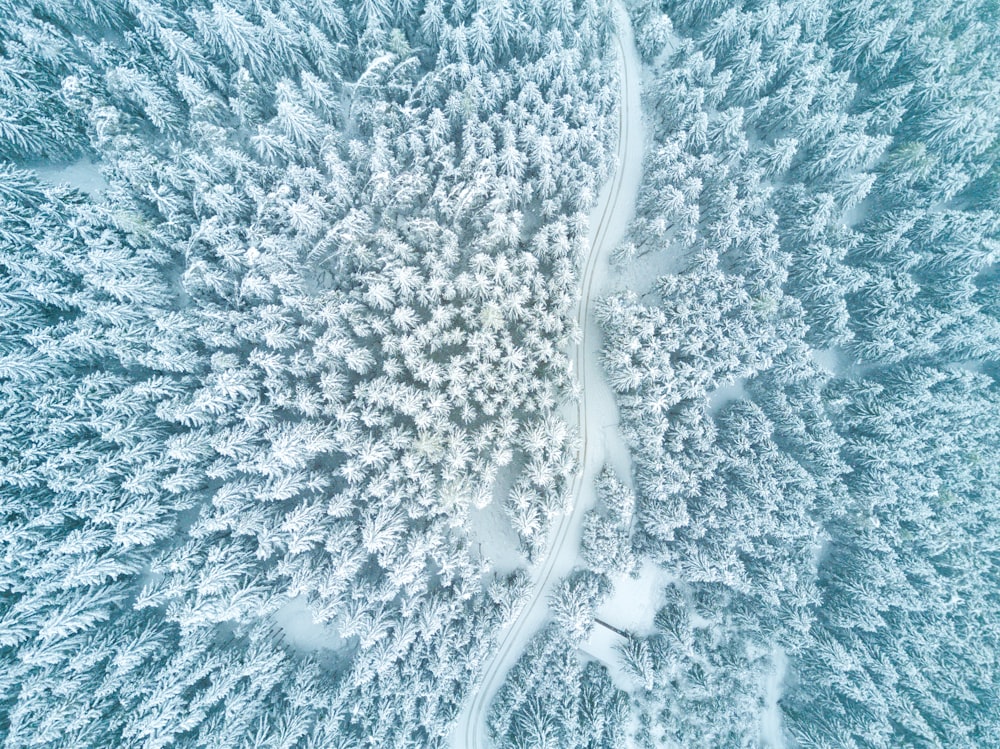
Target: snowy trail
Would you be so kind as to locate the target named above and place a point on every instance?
(596, 411)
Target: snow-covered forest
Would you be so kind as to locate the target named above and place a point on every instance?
(288, 290)
(314, 312)
(811, 392)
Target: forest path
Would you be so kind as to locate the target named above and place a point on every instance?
(596, 410)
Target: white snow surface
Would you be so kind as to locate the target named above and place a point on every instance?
(833, 360)
(596, 412)
(302, 632)
(635, 600)
(631, 608)
(82, 174)
(771, 734)
(725, 394)
(491, 535)
(600, 646)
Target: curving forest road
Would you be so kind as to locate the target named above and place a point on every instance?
(596, 411)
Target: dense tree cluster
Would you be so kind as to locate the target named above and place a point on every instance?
(906, 638)
(606, 545)
(711, 671)
(553, 699)
(827, 172)
(321, 306)
(320, 310)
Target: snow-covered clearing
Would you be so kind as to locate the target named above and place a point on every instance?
(631, 608)
(596, 412)
(641, 273)
(635, 600)
(724, 394)
(975, 366)
(833, 360)
(82, 174)
(600, 646)
(491, 534)
(302, 632)
(770, 720)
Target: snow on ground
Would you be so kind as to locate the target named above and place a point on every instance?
(635, 600)
(832, 359)
(82, 174)
(612, 445)
(302, 632)
(491, 535)
(631, 608)
(606, 444)
(770, 720)
(975, 366)
(641, 273)
(601, 646)
(725, 394)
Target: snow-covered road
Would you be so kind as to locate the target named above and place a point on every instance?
(596, 411)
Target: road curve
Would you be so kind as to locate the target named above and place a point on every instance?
(600, 441)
